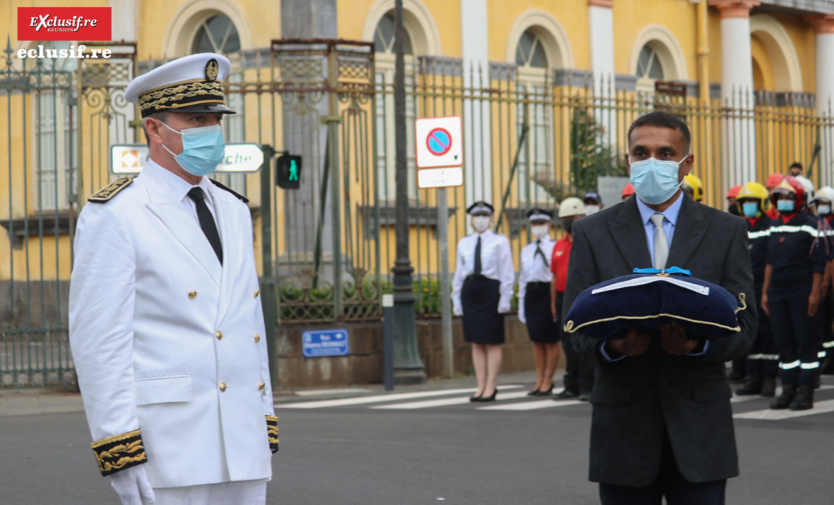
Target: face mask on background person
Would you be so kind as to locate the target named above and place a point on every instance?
(480, 223)
(540, 231)
(591, 209)
(655, 181)
(750, 209)
(785, 205)
(824, 210)
(202, 149)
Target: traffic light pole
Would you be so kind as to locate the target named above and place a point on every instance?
(408, 369)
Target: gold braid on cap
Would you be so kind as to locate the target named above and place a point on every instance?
(182, 94)
(119, 452)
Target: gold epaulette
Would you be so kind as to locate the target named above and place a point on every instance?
(223, 186)
(106, 193)
(272, 432)
(119, 452)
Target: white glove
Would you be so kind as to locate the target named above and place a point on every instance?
(503, 308)
(521, 317)
(457, 310)
(132, 486)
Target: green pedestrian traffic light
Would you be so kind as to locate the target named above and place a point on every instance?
(288, 171)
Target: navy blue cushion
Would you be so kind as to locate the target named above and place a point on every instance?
(647, 302)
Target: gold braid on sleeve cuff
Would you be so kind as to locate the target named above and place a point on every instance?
(120, 452)
(272, 433)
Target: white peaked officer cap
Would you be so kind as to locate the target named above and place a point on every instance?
(188, 84)
(480, 208)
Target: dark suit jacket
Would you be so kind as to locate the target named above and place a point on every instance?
(637, 400)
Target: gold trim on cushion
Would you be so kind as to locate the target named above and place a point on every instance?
(272, 432)
(119, 452)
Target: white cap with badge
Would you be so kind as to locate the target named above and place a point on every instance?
(189, 84)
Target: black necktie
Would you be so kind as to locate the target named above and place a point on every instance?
(477, 270)
(539, 252)
(206, 221)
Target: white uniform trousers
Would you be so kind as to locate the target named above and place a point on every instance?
(246, 492)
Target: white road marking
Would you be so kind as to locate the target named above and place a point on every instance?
(321, 392)
(362, 400)
(541, 404)
(777, 415)
(446, 401)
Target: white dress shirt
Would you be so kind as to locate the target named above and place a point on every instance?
(496, 263)
(534, 269)
(670, 221)
(179, 188)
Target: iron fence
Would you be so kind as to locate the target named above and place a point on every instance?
(531, 138)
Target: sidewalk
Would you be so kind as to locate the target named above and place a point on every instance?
(21, 402)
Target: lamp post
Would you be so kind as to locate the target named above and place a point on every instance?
(408, 369)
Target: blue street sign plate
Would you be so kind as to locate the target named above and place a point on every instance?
(316, 344)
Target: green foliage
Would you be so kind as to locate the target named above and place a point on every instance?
(590, 157)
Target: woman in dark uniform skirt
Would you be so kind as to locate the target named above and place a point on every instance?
(534, 306)
(481, 293)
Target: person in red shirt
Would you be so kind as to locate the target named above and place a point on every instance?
(579, 373)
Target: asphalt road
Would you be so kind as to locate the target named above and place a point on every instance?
(432, 453)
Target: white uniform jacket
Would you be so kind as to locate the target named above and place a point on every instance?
(534, 268)
(168, 342)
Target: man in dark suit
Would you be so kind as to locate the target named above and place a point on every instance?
(662, 423)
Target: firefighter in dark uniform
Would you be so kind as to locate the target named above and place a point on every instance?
(763, 360)
(791, 293)
(823, 202)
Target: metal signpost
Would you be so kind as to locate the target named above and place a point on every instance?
(439, 146)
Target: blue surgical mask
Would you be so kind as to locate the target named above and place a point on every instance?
(202, 149)
(824, 210)
(655, 181)
(785, 205)
(750, 209)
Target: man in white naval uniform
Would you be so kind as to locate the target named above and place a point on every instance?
(166, 322)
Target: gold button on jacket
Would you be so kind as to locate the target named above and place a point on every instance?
(257, 338)
(222, 386)
(192, 295)
(261, 386)
(219, 335)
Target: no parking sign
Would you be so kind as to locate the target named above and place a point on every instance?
(439, 146)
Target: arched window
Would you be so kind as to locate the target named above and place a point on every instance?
(384, 36)
(649, 65)
(217, 34)
(55, 128)
(386, 148)
(530, 51)
(532, 61)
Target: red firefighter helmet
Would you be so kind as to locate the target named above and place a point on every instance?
(774, 181)
(790, 185)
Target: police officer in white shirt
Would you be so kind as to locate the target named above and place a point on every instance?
(481, 292)
(165, 316)
(534, 300)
